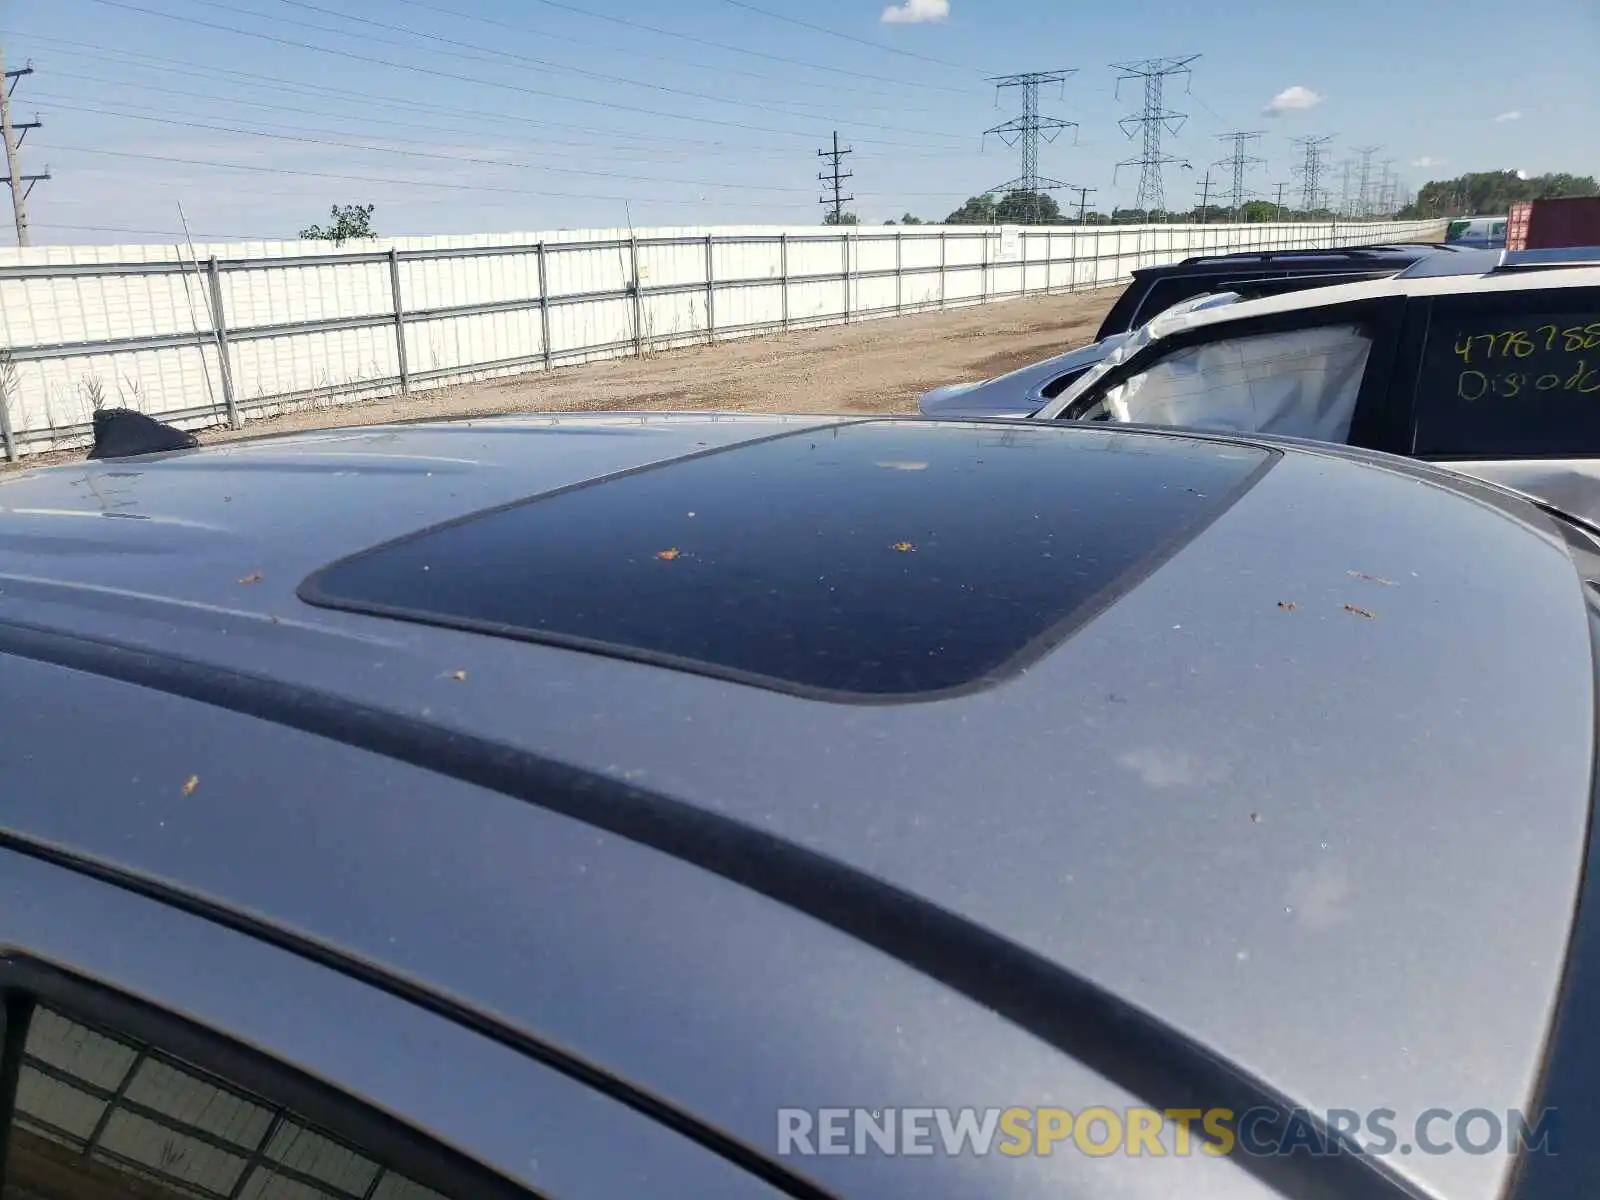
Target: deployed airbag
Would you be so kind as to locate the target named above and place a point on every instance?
(1299, 383)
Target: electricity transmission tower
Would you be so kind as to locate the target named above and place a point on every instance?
(13, 144)
(1345, 203)
(833, 179)
(1280, 186)
(1239, 162)
(1364, 185)
(1154, 120)
(1027, 131)
(1388, 183)
(1310, 171)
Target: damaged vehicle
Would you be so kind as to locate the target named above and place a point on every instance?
(1494, 372)
(1171, 290)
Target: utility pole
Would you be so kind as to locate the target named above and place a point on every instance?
(833, 179)
(1154, 120)
(13, 144)
(1205, 198)
(1027, 130)
(1364, 186)
(1310, 171)
(1240, 161)
(1281, 186)
(1083, 200)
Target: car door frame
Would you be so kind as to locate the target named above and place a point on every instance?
(205, 991)
(1402, 405)
(1380, 315)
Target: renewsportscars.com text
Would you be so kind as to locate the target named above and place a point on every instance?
(1101, 1132)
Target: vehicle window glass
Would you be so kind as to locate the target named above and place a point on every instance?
(1504, 385)
(1301, 383)
(102, 1116)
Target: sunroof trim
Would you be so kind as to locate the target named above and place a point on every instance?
(1076, 616)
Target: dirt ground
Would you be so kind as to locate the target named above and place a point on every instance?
(876, 366)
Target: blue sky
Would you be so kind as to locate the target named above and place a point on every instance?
(460, 116)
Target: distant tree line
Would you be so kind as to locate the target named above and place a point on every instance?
(1491, 193)
(1483, 193)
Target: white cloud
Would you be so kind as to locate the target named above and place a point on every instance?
(1427, 161)
(915, 12)
(1291, 99)
(1513, 115)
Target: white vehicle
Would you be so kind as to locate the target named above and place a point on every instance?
(1496, 373)
(1024, 391)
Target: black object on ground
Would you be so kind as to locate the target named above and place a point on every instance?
(124, 432)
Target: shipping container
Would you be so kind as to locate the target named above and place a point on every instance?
(1548, 224)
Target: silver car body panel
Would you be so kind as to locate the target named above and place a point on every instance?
(1016, 393)
(1314, 792)
(1570, 484)
(1020, 393)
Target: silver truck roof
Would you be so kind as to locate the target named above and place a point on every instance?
(1274, 795)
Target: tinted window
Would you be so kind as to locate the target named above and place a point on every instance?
(873, 560)
(103, 1116)
(1502, 383)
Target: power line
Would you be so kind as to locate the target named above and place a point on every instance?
(278, 84)
(1239, 163)
(612, 48)
(686, 37)
(408, 153)
(175, 234)
(429, 71)
(412, 126)
(849, 37)
(1154, 120)
(833, 179)
(1028, 129)
(1310, 171)
(15, 177)
(477, 54)
(426, 183)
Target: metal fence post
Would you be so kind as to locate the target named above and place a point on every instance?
(220, 327)
(544, 306)
(1022, 250)
(638, 299)
(711, 289)
(399, 319)
(783, 270)
(941, 269)
(6, 437)
(899, 291)
(844, 256)
(983, 270)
